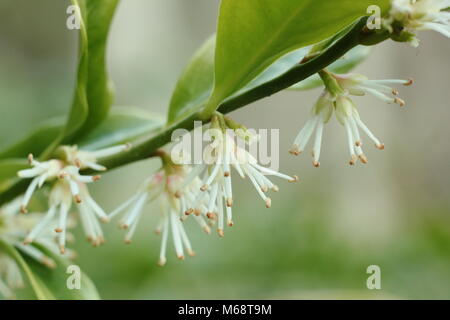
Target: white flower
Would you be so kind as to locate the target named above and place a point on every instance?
(71, 185)
(215, 172)
(88, 159)
(165, 187)
(346, 113)
(68, 184)
(359, 85)
(420, 15)
(41, 172)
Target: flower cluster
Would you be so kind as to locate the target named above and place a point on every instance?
(203, 191)
(411, 15)
(336, 99)
(164, 188)
(67, 186)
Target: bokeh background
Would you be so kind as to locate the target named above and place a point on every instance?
(321, 234)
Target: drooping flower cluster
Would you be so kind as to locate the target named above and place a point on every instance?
(68, 186)
(335, 99)
(203, 191)
(164, 188)
(412, 15)
(215, 173)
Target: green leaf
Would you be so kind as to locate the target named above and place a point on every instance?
(8, 171)
(56, 279)
(345, 64)
(195, 84)
(93, 94)
(36, 141)
(252, 34)
(39, 288)
(197, 80)
(123, 124)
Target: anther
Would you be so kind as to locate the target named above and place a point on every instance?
(400, 102)
(30, 158)
(77, 198)
(191, 253)
(295, 151)
(211, 215)
(207, 230)
(410, 82)
(363, 158)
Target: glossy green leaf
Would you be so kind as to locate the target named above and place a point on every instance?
(8, 171)
(93, 94)
(195, 84)
(40, 289)
(56, 279)
(345, 64)
(123, 124)
(252, 34)
(36, 141)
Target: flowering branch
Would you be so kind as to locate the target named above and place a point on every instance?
(357, 35)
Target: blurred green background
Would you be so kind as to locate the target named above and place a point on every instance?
(321, 234)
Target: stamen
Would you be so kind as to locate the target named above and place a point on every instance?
(399, 101)
(162, 252)
(318, 144)
(350, 141)
(41, 225)
(30, 190)
(176, 236)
